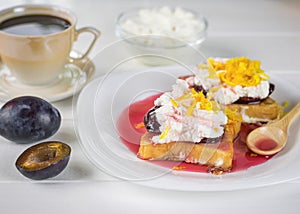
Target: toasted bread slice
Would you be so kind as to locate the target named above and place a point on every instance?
(217, 156)
(265, 111)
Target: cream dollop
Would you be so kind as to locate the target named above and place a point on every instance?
(177, 125)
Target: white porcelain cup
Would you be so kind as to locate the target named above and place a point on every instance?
(39, 59)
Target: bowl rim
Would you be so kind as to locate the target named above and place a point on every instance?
(119, 30)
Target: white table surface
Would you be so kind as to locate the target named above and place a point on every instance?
(266, 30)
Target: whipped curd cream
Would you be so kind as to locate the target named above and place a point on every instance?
(186, 115)
(176, 23)
(225, 86)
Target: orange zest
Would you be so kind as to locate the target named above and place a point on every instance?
(239, 71)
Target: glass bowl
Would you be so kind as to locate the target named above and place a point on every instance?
(163, 38)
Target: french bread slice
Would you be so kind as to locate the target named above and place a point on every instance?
(217, 156)
(264, 111)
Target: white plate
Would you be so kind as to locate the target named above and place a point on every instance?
(70, 81)
(101, 102)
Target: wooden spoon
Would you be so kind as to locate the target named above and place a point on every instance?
(271, 138)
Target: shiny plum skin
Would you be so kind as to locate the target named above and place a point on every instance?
(28, 119)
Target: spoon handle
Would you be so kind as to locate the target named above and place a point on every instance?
(291, 115)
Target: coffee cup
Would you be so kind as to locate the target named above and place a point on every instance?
(36, 42)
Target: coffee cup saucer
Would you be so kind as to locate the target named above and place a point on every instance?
(71, 80)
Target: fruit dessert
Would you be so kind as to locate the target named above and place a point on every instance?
(184, 125)
(199, 119)
(240, 84)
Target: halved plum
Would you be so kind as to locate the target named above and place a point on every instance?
(44, 160)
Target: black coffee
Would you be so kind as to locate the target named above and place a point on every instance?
(34, 25)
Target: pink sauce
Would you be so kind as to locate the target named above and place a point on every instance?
(130, 135)
(266, 144)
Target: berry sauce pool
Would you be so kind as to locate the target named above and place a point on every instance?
(130, 131)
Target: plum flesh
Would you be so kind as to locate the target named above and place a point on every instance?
(44, 160)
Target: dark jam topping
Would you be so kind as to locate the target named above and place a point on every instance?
(271, 88)
(241, 100)
(255, 100)
(211, 140)
(151, 122)
(152, 126)
(197, 88)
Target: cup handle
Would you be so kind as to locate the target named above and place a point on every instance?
(96, 34)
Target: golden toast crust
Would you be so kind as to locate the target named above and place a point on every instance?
(218, 155)
(262, 112)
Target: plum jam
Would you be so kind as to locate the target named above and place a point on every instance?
(130, 127)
